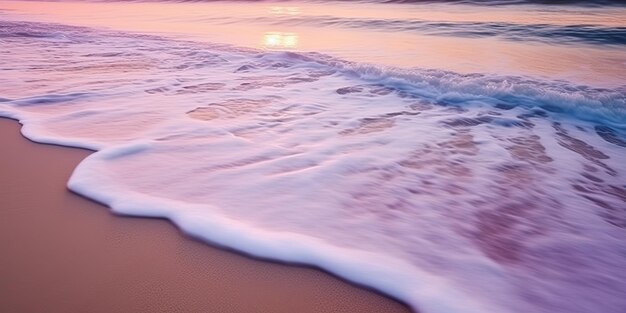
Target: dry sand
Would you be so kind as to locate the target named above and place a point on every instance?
(60, 252)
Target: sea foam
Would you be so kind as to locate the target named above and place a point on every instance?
(451, 192)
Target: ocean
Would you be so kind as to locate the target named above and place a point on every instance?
(461, 156)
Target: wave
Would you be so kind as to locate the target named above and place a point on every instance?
(591, 3)
(583, 3)
(559, 34)
(601, 105)
(605, 106)
(438, 188)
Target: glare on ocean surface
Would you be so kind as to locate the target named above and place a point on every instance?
(278, 40)
(279, 10)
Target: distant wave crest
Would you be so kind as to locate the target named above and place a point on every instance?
(560, 34)
(449, 88)
(586, 3)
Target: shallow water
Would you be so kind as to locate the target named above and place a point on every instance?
(456, 184)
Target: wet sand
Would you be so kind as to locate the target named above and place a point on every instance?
(60, 252)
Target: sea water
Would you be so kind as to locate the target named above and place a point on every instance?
(461, 157)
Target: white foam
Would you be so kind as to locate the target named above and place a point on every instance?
(417, 186)
(387, 274)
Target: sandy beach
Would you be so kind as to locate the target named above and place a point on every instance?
(60, 252)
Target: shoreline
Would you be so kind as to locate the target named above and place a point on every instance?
(62, 252)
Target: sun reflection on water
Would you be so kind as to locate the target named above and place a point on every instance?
(278, 10)
(280, 40)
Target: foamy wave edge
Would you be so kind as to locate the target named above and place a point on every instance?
(398, 279)
(600, 105)
(388, 275)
